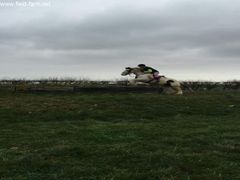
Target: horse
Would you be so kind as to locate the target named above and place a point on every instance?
(162, 81)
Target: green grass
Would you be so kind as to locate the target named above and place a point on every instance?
(120, 136)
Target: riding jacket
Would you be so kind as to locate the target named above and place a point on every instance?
(149, 70)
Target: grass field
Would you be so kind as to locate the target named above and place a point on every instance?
(120, 136)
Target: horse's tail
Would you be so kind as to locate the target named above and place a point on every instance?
(187, 87)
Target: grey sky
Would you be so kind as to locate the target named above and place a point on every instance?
(96, 39)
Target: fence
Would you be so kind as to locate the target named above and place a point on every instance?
(105, 86)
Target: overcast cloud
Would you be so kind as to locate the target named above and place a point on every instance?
(184, 39)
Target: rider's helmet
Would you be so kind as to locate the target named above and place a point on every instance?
(141, 65)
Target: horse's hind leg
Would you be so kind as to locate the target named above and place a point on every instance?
(176, 86)
(168, 90)
(177, 89)
(172, 88)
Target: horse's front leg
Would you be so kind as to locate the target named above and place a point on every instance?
(132, 82)
(136, 82)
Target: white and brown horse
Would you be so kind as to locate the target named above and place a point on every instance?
(164, 82)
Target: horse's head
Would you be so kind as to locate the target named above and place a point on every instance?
(127, 71)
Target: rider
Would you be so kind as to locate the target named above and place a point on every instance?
(149, 70)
